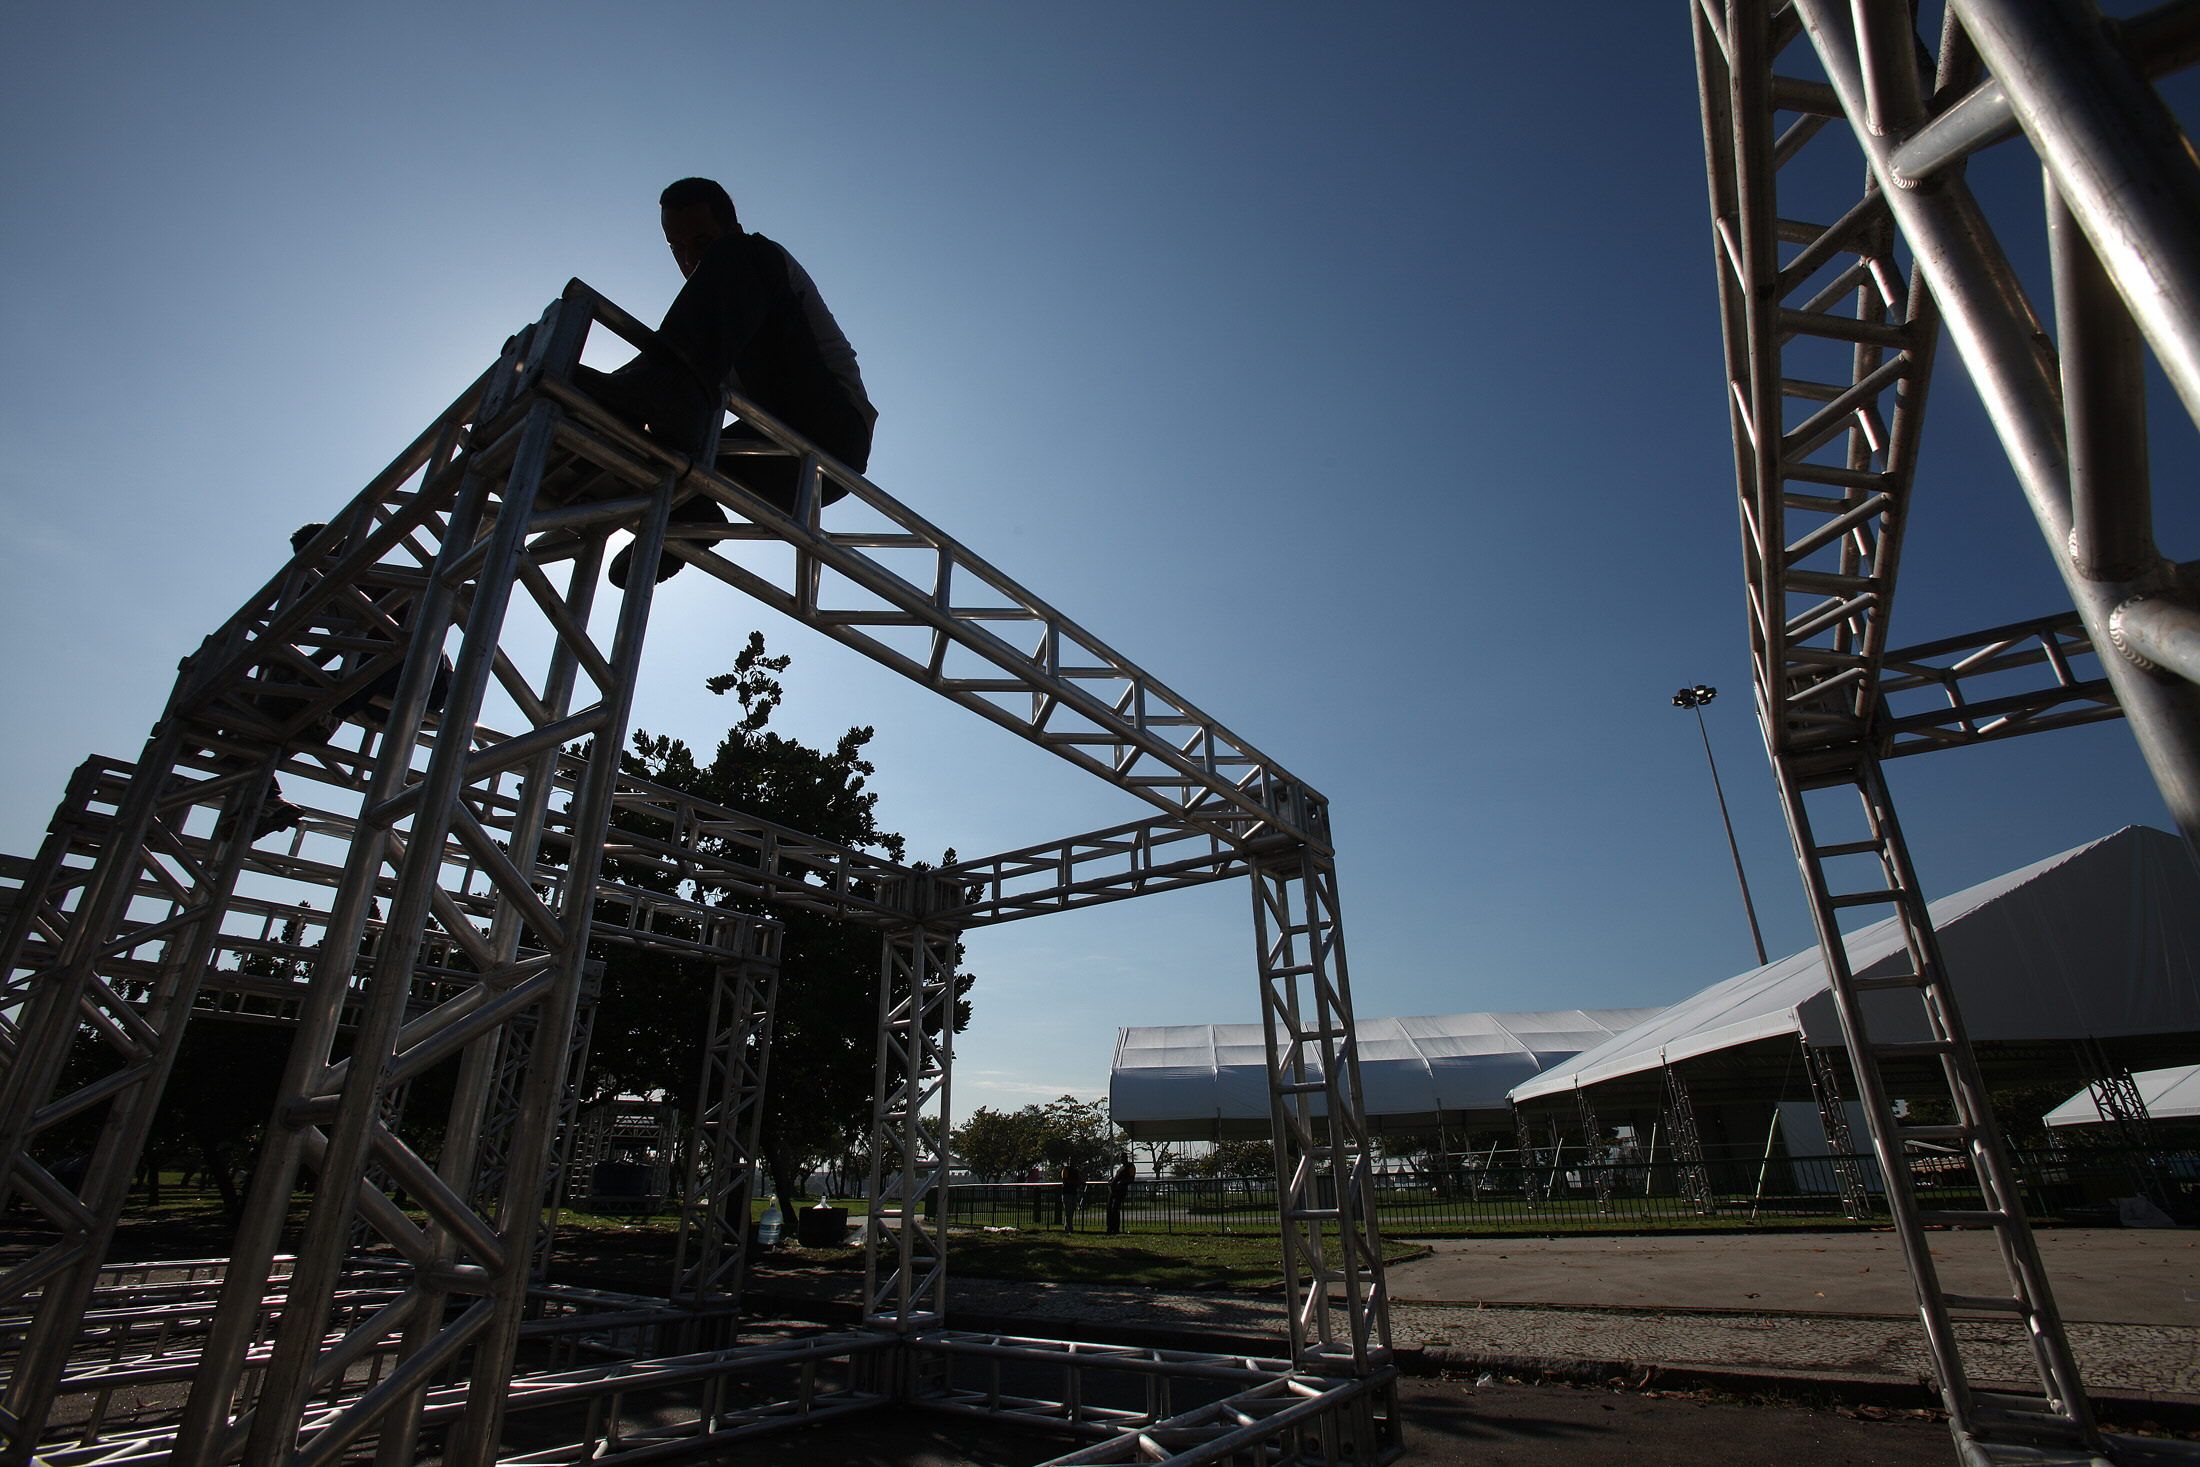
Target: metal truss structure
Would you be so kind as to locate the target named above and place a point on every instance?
(618, 1130)
(2123, 1110)
(905, 1266)
(1530, 1177)
(1846, 238)
(722, 1160)
(1833, 1116)
(1687, 1142)
(327, 832)
(1592, 1141)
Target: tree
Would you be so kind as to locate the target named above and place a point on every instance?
(1073, 1130)
(996, 1144)
(1161, 1156)
(824, 1041)
(1423, 1154)
(1231, 1159)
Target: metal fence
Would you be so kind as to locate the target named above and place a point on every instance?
(1485, 1193)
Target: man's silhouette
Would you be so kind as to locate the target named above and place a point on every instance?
(749, 320)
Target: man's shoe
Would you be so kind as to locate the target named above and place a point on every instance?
(701, 510)
(275, 815)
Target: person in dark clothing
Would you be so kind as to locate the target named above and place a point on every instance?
(749, 320)
(368, 704)
(1119, 1192)
(1073, 1195)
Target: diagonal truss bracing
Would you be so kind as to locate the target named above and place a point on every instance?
(2026, 677)
(723, 1157)
(1829, 353)
(126, 976)
(1110, 865)
(1832, 296)
(328, 831)
(1325, 1181)
(905, 593)
(905, 1232)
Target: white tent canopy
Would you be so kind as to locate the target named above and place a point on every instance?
(2101, 941)
(2169, 1095)
(1206, 1081)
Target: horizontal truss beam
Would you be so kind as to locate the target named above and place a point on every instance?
(475, 873)
(899, 589)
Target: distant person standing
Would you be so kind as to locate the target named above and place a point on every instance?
(749, 320)
(1119, 1192)
(1073, 1195)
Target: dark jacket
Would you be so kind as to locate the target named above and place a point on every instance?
(751, 319)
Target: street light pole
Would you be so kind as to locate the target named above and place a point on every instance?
(1694, 698)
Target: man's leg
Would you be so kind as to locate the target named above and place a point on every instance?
(654, 400)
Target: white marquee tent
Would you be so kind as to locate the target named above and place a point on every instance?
(2169, 1095)
(1209, 1081)
(2102, 941)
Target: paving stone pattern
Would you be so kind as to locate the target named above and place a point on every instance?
(2140, 1358)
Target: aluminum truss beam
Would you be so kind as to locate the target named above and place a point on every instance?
(1829, 350)
(2026, 677)
(722, 1158)
(155, 905)
(2116, 1096)
(469, 1269)
(515, 1060)
(1686, 1142)
(1853, 866)
(1531, 1177)
(2080, 459)
(908, 595)
(693, 1403)
(265, 979)
(471, 875)
(1333, 1284)
(905, 1257)
(1109, 865)
(624, 1125)
(1275, 1414)
(1592, 1142)
(1833, 1118)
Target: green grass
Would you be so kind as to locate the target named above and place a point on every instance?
(1154, 1260)
(667, 1221)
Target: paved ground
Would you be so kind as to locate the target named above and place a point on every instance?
(2131, 1359)
(1801, 1317)
(2106, 1275)
(1831, 1306)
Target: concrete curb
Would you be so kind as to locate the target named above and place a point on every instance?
(2174, 1411)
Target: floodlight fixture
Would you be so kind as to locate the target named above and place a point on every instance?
(1693, 698)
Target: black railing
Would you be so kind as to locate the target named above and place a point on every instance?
(1485, 1193)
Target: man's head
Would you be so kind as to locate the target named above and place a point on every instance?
(697, 213)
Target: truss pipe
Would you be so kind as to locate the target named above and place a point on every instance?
(1980, 119)
(2163, 40)
(2003, 348)
(2116, 155)
(2159, 632)
(2104, 405)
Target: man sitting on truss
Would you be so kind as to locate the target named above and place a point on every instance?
(749, 320)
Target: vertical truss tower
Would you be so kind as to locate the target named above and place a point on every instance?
(326, 831)
(1846, 239)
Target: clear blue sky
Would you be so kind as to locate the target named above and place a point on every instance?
(1355, 369)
